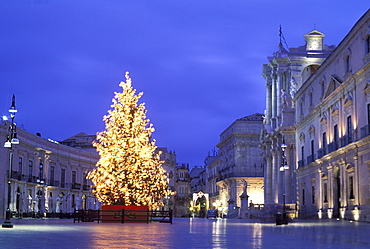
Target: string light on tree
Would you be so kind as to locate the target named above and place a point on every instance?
(129, 170)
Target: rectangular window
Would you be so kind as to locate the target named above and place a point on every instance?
(325, 192)
(303, 197)
(52, 169)
(74, 174)
(349, 129)
(312, 148)
(313, 195)
(85, 179)
(336, 137)
(351, 194)
(63, 177)
(324, 143)
(302, 153)
(30, 170)
(368, 113)
(20, 166)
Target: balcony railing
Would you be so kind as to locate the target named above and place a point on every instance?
(321, 152)
(240, 174)
(76, 186)
(365, 131)
(301, 163)
(345, 140)
(333, 146)
(310, 159)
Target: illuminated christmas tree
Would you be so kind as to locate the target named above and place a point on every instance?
(129, 170)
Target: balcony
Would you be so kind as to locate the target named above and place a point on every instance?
(301, 163)
(17, 176)
(76, 186)
(333, 146)
(365, 131)
(321, 152)
(345, 140)
(310, 158)
(240, 174)
(54, 183)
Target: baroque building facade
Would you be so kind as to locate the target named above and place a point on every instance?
(179, 183)
(236, 173)
(332, 132)
(317, 126)
(285, 73)
(44, 176)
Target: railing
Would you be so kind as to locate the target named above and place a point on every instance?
(237, 174)
(345, 140)
(76, 186)
(365, 131)
(333, 146)
(301, 163)
(310, 159)
(54, 183)
(122, 216)
(321, 152)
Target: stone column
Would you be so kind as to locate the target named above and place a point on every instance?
(268, 176)
(275, 171)
(274, 97)
(268, 101)
(330, 191)
(318, 189)
(287, 172)
(356, 181)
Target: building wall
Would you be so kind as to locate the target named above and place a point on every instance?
(332, 132)
(285, 74)
(36, 182)
(238, 165)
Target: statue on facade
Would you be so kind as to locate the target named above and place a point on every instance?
(245, 185)
(293, 87)
(284, 98)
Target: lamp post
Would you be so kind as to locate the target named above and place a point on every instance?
(11, 139)
(284, 167)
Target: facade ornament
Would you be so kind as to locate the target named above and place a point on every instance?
(293, 87)
(284, 98)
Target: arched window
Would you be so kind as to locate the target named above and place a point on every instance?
(322, 88)
(348, 66)
(308, 71)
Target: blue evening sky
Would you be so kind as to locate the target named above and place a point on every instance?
(198, 62)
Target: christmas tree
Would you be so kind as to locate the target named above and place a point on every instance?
(129, 170)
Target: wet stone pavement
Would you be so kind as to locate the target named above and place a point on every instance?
(185, 233)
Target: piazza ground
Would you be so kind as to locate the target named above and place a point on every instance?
(185, 233)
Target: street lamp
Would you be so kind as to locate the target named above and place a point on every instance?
(284, 167)
(11, 139)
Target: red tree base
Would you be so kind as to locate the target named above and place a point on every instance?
(123, 214)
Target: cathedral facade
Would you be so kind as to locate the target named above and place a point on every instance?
(316, 135)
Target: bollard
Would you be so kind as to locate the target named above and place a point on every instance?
(279, 218)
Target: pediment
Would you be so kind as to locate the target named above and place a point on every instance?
(315, 33)
(334, 83)
(367, 88)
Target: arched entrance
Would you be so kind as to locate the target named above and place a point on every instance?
(201, 201)
(337, 193)
(18, 201)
